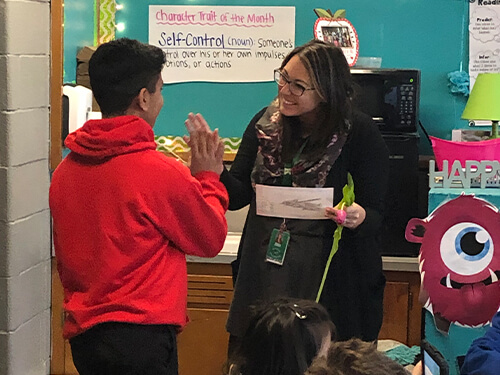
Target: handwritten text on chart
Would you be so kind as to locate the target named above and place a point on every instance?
(211, 17)
(181, 58)
(180, 39)
(222, 43)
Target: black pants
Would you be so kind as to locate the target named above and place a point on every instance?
(126, 349)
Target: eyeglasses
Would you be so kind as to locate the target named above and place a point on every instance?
(295, 87)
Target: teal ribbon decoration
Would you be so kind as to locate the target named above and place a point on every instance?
(347, 200)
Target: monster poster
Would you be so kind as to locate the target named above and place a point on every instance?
(459, 266)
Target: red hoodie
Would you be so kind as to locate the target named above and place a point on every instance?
(124, 216)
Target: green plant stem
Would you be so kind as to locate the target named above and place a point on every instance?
(347, 200)
(336, 238)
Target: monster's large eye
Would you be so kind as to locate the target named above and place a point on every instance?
(466, 248)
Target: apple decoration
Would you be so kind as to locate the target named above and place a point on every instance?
(334, 28)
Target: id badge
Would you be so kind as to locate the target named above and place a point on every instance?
(277, 246)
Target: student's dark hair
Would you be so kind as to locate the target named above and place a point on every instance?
(120, 69)
(355, 357)
(331, 78)
(283, 338)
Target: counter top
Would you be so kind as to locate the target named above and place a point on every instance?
(226, 255)
(230, 249)
(404, 264)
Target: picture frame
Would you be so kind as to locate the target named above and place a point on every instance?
(341, 33)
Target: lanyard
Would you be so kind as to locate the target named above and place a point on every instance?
(287, 171)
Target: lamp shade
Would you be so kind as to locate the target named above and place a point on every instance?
(484, 99)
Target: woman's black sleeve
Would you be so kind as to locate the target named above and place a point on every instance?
(237, 180)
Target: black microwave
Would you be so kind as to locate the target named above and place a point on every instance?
(390, 96)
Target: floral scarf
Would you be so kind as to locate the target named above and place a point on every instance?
(269, 168)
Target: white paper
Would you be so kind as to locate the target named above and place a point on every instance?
(484, 37)
(293, 202)
(221, 43)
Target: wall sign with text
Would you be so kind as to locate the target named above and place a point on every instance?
(484, 36)
(221, 43)
(341, 33)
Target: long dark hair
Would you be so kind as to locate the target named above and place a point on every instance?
(331, 77)
(283, 338)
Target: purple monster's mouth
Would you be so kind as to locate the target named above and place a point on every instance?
(447, 282)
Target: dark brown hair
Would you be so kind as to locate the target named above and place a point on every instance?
(283, 338)
(120, 69)
(355, 357)
(331, 77)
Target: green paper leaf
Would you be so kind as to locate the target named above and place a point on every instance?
(321, 13)
(340, 13)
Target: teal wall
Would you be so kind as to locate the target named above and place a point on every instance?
(427, 35)
(78, 32)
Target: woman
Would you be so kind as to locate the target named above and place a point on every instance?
(283, 338)
(310, 136)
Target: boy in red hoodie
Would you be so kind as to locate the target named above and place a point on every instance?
(124, 218)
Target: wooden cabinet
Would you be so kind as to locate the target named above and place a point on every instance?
(402, 311)
(203, 343)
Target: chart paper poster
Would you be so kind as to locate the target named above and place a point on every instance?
(221, 43)
(484, 38)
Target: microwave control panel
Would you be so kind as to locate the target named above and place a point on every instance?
(407, 106)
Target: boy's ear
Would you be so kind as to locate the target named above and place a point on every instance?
(143, 99)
